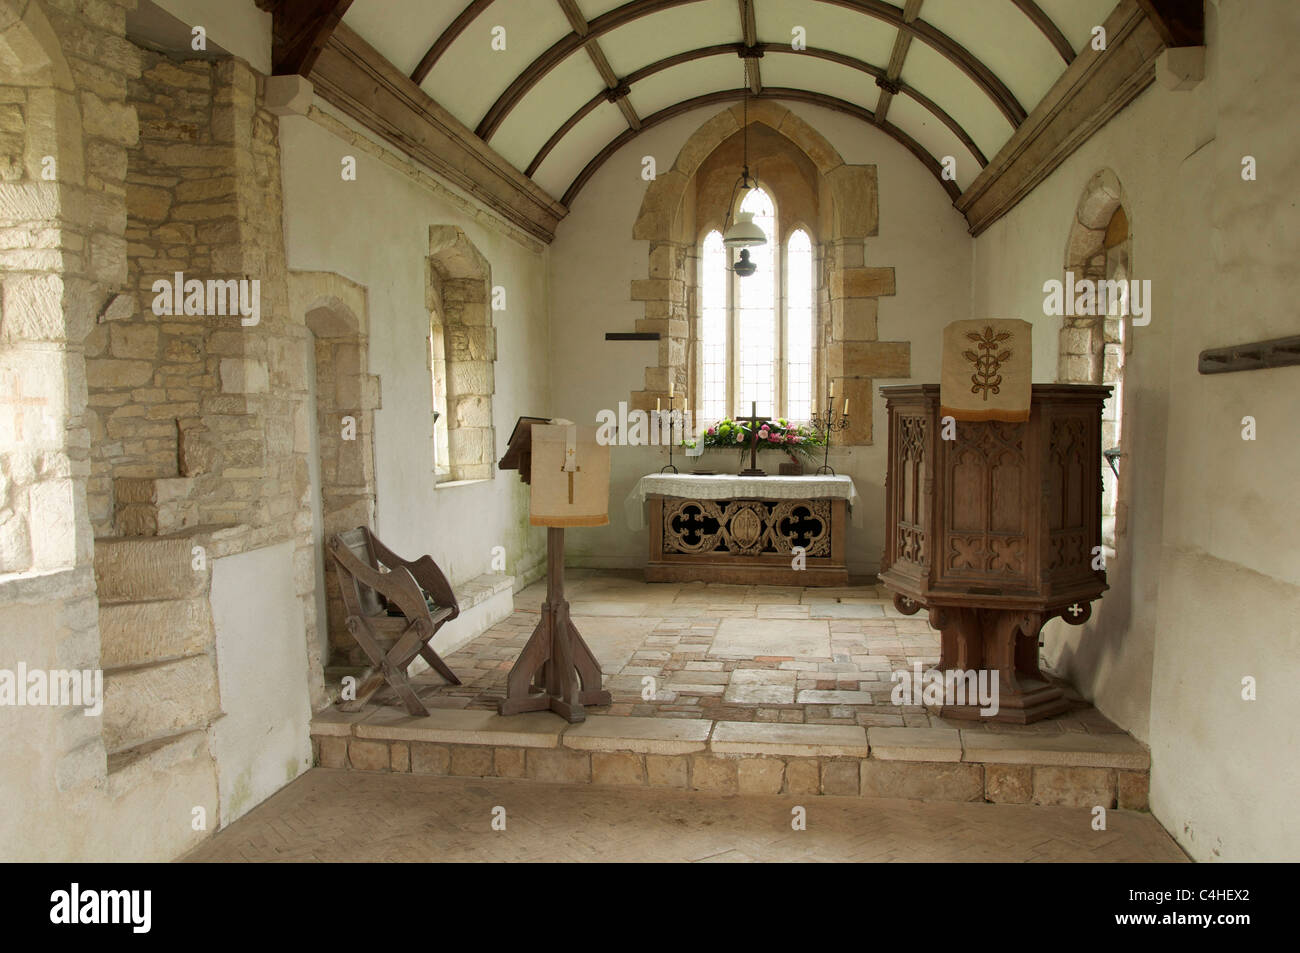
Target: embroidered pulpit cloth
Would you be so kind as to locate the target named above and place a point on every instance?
(987, 370)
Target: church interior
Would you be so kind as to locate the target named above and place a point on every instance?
(916, 381)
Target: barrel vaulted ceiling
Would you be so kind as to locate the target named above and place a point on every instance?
(579, 78)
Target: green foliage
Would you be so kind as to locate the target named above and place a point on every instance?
(777, 434)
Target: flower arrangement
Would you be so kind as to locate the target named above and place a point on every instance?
(797, 440)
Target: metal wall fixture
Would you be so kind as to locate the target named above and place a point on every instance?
(1277, 352)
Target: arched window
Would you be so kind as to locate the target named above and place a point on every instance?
(756, 333)
(755, 310)
(712, 400)
(799, 326)
(438, 369)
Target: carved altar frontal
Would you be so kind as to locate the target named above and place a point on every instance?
(765, 538)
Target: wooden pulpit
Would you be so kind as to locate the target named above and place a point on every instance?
(568, 473)
(995, 532)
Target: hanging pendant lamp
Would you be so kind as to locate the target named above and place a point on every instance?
(743, 232)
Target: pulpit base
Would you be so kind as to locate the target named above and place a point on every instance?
(1002, 642)
(1032, 703)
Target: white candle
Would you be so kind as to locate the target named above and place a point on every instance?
(832, 387)
(671, 385)
(658, 408)
(846, 406)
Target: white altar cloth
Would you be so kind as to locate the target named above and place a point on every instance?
(723, 486)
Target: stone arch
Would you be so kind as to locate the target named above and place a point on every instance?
(1094, 348)
(343, 398)
(49, 570)
(848, 290)
(661, 206)
(459, 289)
(46, 315)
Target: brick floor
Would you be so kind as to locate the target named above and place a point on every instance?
(330, 816)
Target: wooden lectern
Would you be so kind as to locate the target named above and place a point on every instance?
(995, 532)
(556, 669)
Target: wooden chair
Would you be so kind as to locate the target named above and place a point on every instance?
(392, 614)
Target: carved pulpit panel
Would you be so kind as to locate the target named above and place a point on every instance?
(985, 503)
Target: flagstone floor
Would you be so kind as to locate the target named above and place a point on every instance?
(732, 653)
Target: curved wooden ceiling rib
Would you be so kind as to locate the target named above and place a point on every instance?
(1049, 29)
(768, 92)
(935, 38)
(942, 43)
(735, 49)
(457, 27)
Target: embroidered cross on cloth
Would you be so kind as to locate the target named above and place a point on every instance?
(570, 476)
(987, 370)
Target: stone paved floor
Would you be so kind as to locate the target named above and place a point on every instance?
(333, 816)
(732, 653)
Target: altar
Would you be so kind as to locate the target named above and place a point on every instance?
(773, 530)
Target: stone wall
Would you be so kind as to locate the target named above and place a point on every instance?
(200, 396)
(199, 419)
(64, 70)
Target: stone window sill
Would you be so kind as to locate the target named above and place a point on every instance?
(444, 484)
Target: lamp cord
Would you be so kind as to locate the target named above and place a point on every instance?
(744, 176)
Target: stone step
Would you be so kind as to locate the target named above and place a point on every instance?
(140, 633)
(1066, 769)
(150, 568)
(161, 754)
(149, 702)
(153, 506)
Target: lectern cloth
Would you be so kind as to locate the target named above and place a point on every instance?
(568, 489)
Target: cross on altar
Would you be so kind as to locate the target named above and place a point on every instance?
(754, 419)
(1075, 610)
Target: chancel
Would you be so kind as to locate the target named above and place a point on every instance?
(645, 418)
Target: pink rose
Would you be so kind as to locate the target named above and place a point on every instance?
(740, 438)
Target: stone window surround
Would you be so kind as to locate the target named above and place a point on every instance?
(458, 291)
(1093, 349)
(335, 311)
(849, 351)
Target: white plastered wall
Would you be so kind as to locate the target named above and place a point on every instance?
(1206, 584)
(375, 231)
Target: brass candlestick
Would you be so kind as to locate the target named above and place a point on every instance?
(826, 424)
(659, 414)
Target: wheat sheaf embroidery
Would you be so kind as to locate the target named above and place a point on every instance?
(988, 361)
